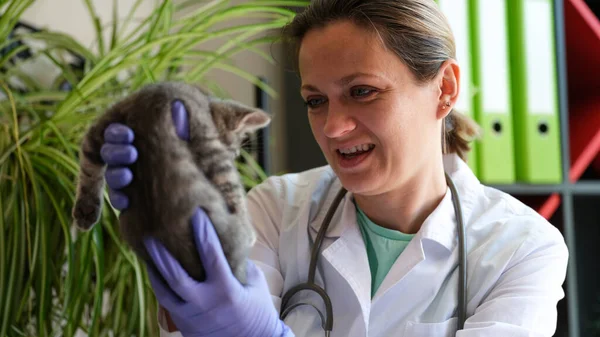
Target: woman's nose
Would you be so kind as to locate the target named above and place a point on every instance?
(339, 122)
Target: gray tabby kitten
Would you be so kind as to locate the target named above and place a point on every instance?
(171, 176)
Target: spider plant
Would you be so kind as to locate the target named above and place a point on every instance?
(55, 280)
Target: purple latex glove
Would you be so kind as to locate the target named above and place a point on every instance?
(220, 306)
(118, 152)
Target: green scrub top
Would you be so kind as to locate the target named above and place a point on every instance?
(383, 247)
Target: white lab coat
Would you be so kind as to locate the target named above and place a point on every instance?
(516, 262)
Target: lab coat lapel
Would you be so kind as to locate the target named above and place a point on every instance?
(412, 255)
(348, 257)
(344, 252)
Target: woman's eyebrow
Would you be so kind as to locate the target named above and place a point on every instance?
(348, 78)
(309, 87)
(342, 81)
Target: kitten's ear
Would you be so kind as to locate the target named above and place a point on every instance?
(252, 120)
(237, 117)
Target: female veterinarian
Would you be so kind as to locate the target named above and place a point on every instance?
(413, 246)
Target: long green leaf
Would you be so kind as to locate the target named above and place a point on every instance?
(16, 75)
(259, 171)
(59, 158)
(139, 278)
(185, 6)
(128, 20)
(255, 28)
(44, 255)
(97, 26)
(197, 19)
(66, 71)
(18, 246)
(118, 302)
(11, 16)
(205, 17)
(46, 165)
(65, 41)
(132, 57)
(11, 54)
(114, 37)
(249, 77)
(81, 287)
(73, 279)
(195, 73)
(39, 243)
(224, 15)
(71, 102)
(3, 254)
(160, 17)
(13, 245)
(124, 250)
(98, 253)
(21, 248)
(58, 133)
(33, 97)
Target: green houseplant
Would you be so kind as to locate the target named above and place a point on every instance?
(53, 279)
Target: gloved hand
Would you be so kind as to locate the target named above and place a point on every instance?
(220, 306)
(117, 152)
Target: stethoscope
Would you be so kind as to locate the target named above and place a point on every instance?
(327, 320)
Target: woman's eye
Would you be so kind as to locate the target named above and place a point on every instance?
(361, 92)
(314, 102)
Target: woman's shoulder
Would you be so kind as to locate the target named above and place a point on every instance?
(497, 221)
(501, 217)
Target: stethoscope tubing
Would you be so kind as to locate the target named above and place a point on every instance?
(327, 321)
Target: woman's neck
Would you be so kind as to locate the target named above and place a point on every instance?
(406, 207)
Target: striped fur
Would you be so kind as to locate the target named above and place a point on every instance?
(173, 177)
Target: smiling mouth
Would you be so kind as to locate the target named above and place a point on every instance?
(356, 150)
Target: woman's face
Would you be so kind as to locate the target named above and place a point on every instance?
(376, 126)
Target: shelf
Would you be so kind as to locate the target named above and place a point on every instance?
(530, 189)
(586, 188)
(580, 187)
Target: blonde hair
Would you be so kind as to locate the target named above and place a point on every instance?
(415, 30)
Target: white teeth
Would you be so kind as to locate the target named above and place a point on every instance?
(354, 149)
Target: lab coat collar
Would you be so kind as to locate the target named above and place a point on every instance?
(439, 227)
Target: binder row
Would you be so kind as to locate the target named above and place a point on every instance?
(507, 54)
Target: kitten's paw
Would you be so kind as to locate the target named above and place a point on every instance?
(86, 213)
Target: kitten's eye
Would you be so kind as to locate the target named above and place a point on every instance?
(361, 92)
(314, 102)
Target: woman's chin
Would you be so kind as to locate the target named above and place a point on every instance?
(358, 183)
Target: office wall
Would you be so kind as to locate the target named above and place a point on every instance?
(71, 16)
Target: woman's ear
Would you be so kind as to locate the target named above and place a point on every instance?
(449, 87)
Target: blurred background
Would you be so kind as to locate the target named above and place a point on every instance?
(530, 74)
